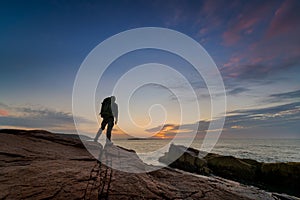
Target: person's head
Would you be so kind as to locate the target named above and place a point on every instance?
(113, 98)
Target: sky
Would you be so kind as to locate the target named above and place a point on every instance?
(255, 45)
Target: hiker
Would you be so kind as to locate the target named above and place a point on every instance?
(109, 112)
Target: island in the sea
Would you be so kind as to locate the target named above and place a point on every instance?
(151, 138)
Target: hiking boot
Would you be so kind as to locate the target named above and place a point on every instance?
(109, 143)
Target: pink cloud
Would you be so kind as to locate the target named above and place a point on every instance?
(210, 7)
(232, 61)
(3, 113)
(245, 24)
(231, 37)
(277, 48)
(285, 20)
(203, 31)
(231, 68)
(211, 15)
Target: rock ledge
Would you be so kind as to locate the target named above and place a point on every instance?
(42, 165)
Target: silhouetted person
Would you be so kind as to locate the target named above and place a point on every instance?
(109, 112)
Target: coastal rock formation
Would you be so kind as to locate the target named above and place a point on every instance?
(279, 177)
(42, 165)
(188, 160)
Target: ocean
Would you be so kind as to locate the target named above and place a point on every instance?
(263, 150)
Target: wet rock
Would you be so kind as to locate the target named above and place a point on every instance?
(186, 159)
(278, 177)
(282, 177)
(231, 168)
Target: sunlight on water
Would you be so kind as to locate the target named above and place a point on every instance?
(263, 150)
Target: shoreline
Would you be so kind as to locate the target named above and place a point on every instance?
(274, 177)
(243, 149)
(39, 164)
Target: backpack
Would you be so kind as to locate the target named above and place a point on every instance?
(106, 108)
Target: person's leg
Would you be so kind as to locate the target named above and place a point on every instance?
(110, 125)
(103, 124)
(98, 134)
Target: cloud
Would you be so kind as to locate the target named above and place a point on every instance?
(285, 20)
(287, 95)
(268, 110)
(164, 131)
(4, 106)
(280, 117)
(179, 12)
(42, 118)
(267, 34)
(237, 90)
(247, 71)
(261, 38)
(162, 127)
(251, 15)
(3, 112)
(170, 130)
(211, 19)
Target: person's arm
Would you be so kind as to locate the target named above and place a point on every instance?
(116, 113)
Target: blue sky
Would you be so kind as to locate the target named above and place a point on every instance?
(255, 45)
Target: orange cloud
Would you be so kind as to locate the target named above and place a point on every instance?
(168, 131)
(3, 113)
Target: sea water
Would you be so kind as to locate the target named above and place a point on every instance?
(263, 150)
